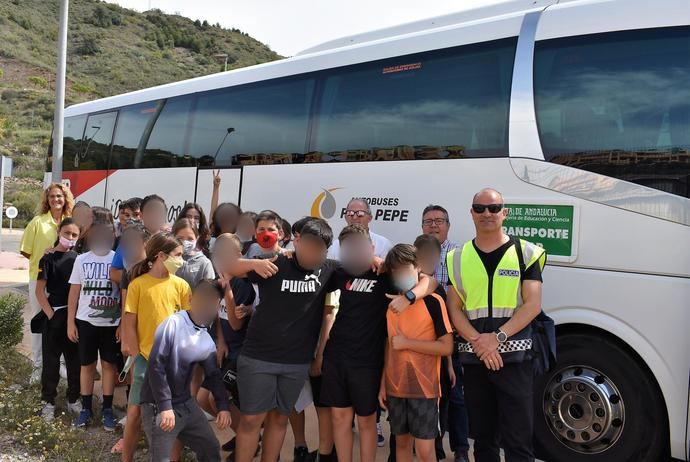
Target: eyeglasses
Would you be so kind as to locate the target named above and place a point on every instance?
(356, 213)
(434, 221)
(493, 208)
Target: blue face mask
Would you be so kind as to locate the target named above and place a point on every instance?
(405, 282)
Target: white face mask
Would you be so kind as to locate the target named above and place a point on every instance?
(189, 246)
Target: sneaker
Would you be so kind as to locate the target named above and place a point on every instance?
(74, 408)
(48, 412)
(108, 419)
(84, 418)
(461, 456)
(301, 454)
(379, 432)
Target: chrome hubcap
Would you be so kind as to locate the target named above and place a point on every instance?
(584, 409)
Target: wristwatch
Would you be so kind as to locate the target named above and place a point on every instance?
(410, 296)
(501, 336)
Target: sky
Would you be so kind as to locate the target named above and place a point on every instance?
(289, 26)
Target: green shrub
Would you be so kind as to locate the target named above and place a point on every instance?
(11, 320)
(89, 46)
(40, 81)
(25, 201)
(7, 128)
(7, 53)
(9, 95)
(105, 17)
(23, 22)
(81, 88)
(2, 73)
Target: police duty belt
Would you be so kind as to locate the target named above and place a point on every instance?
(507, 347)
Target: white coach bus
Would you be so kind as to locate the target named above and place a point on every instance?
(578, 111)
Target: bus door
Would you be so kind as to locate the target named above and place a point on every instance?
(230, 186)
(86, 170)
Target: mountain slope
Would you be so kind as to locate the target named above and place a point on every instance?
(111, 50)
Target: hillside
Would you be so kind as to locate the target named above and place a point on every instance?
(111, 50)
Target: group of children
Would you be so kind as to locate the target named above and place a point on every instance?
(240, 317)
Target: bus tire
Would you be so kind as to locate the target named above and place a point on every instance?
(598, 404)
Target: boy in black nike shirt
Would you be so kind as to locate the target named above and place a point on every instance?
(354, 352)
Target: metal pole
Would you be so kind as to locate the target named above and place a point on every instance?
(2, 195)
(59, 119)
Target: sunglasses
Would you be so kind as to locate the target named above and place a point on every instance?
(493, 208)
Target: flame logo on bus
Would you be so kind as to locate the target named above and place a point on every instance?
(324, 205)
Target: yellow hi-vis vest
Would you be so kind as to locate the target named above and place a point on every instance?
(491, 300)
(496, 296)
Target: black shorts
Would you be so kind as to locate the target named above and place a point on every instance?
(416, 416)
(350, 386)
(95, 340)
(315, 383)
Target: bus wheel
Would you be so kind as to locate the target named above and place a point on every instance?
(598, 405)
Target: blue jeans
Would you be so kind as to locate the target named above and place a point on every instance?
(458, 427)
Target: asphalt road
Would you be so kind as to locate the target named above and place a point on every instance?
(10, 241)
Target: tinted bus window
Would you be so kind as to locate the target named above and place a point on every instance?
(95, 145)
(73, 132)
(261, 123)
(167, 144)
(618, 104)
(450, 103)
(132, 123)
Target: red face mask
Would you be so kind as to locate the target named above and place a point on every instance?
(266, 239)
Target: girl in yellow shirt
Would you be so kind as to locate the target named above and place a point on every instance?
(154, 293)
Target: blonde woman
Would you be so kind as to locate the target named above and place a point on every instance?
(40, 234)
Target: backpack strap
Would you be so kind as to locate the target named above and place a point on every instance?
(518, 251)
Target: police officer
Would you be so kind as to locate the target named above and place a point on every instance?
(496, 294)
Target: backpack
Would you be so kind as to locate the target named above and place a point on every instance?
(543, 331)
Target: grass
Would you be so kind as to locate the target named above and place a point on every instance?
(20, 406)
(24, 434)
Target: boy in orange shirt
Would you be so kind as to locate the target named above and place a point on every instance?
(417, 339)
